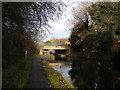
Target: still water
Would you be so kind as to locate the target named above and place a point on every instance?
(90, 74)
(94, 74)
(64, 71)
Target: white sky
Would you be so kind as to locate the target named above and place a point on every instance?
(60, 28)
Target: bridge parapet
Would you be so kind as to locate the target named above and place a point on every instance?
(55, 47)
(57, 50)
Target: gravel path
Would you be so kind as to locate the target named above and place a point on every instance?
(38, 77)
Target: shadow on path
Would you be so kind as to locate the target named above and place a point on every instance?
(38, 77)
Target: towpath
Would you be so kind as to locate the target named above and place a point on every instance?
(38, 77)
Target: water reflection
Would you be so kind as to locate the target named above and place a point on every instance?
(64, 70)
(93, 74)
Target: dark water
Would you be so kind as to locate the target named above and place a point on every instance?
(95, 74)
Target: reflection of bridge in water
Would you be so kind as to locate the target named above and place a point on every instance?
(55, 51)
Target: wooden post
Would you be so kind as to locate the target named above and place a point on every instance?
(25, 55)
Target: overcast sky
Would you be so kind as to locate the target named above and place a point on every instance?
(60, 28)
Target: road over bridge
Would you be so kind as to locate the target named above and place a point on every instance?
(53, 49)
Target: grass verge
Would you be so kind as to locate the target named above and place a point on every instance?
(16, 76)
(56, 79)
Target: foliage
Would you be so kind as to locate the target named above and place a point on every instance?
(48, 42)
(31, 15)
(105, 15)
(59, 41)
(16, 76)
(105, 23)
(21, 23)
(94, 54)
(78, 34)
(80, 13)
(96, 31)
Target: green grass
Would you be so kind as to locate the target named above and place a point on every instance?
(16, 76)
(36, 55)
(56, 79)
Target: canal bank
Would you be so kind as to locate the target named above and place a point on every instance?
(88, 73)
(55, 77)
(63, 68)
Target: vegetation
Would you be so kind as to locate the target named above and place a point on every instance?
(57, 41)
(23, 25)
(48, 42)
(105, 24)
(92, 38)
(97, 28)
(17, 74)
(56, 79)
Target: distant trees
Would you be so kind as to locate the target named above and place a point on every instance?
(57, 41)
(21, 23)
(48, 42)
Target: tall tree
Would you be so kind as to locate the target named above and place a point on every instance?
(81, 21)
(22, 21)
(105, 16)
(102, 26)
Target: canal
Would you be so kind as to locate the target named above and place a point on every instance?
(94, 74)
(89, 73)
(63, 68)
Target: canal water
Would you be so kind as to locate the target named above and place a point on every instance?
(89, 73)
(95, 74)
(63, 68)
(64, 71)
